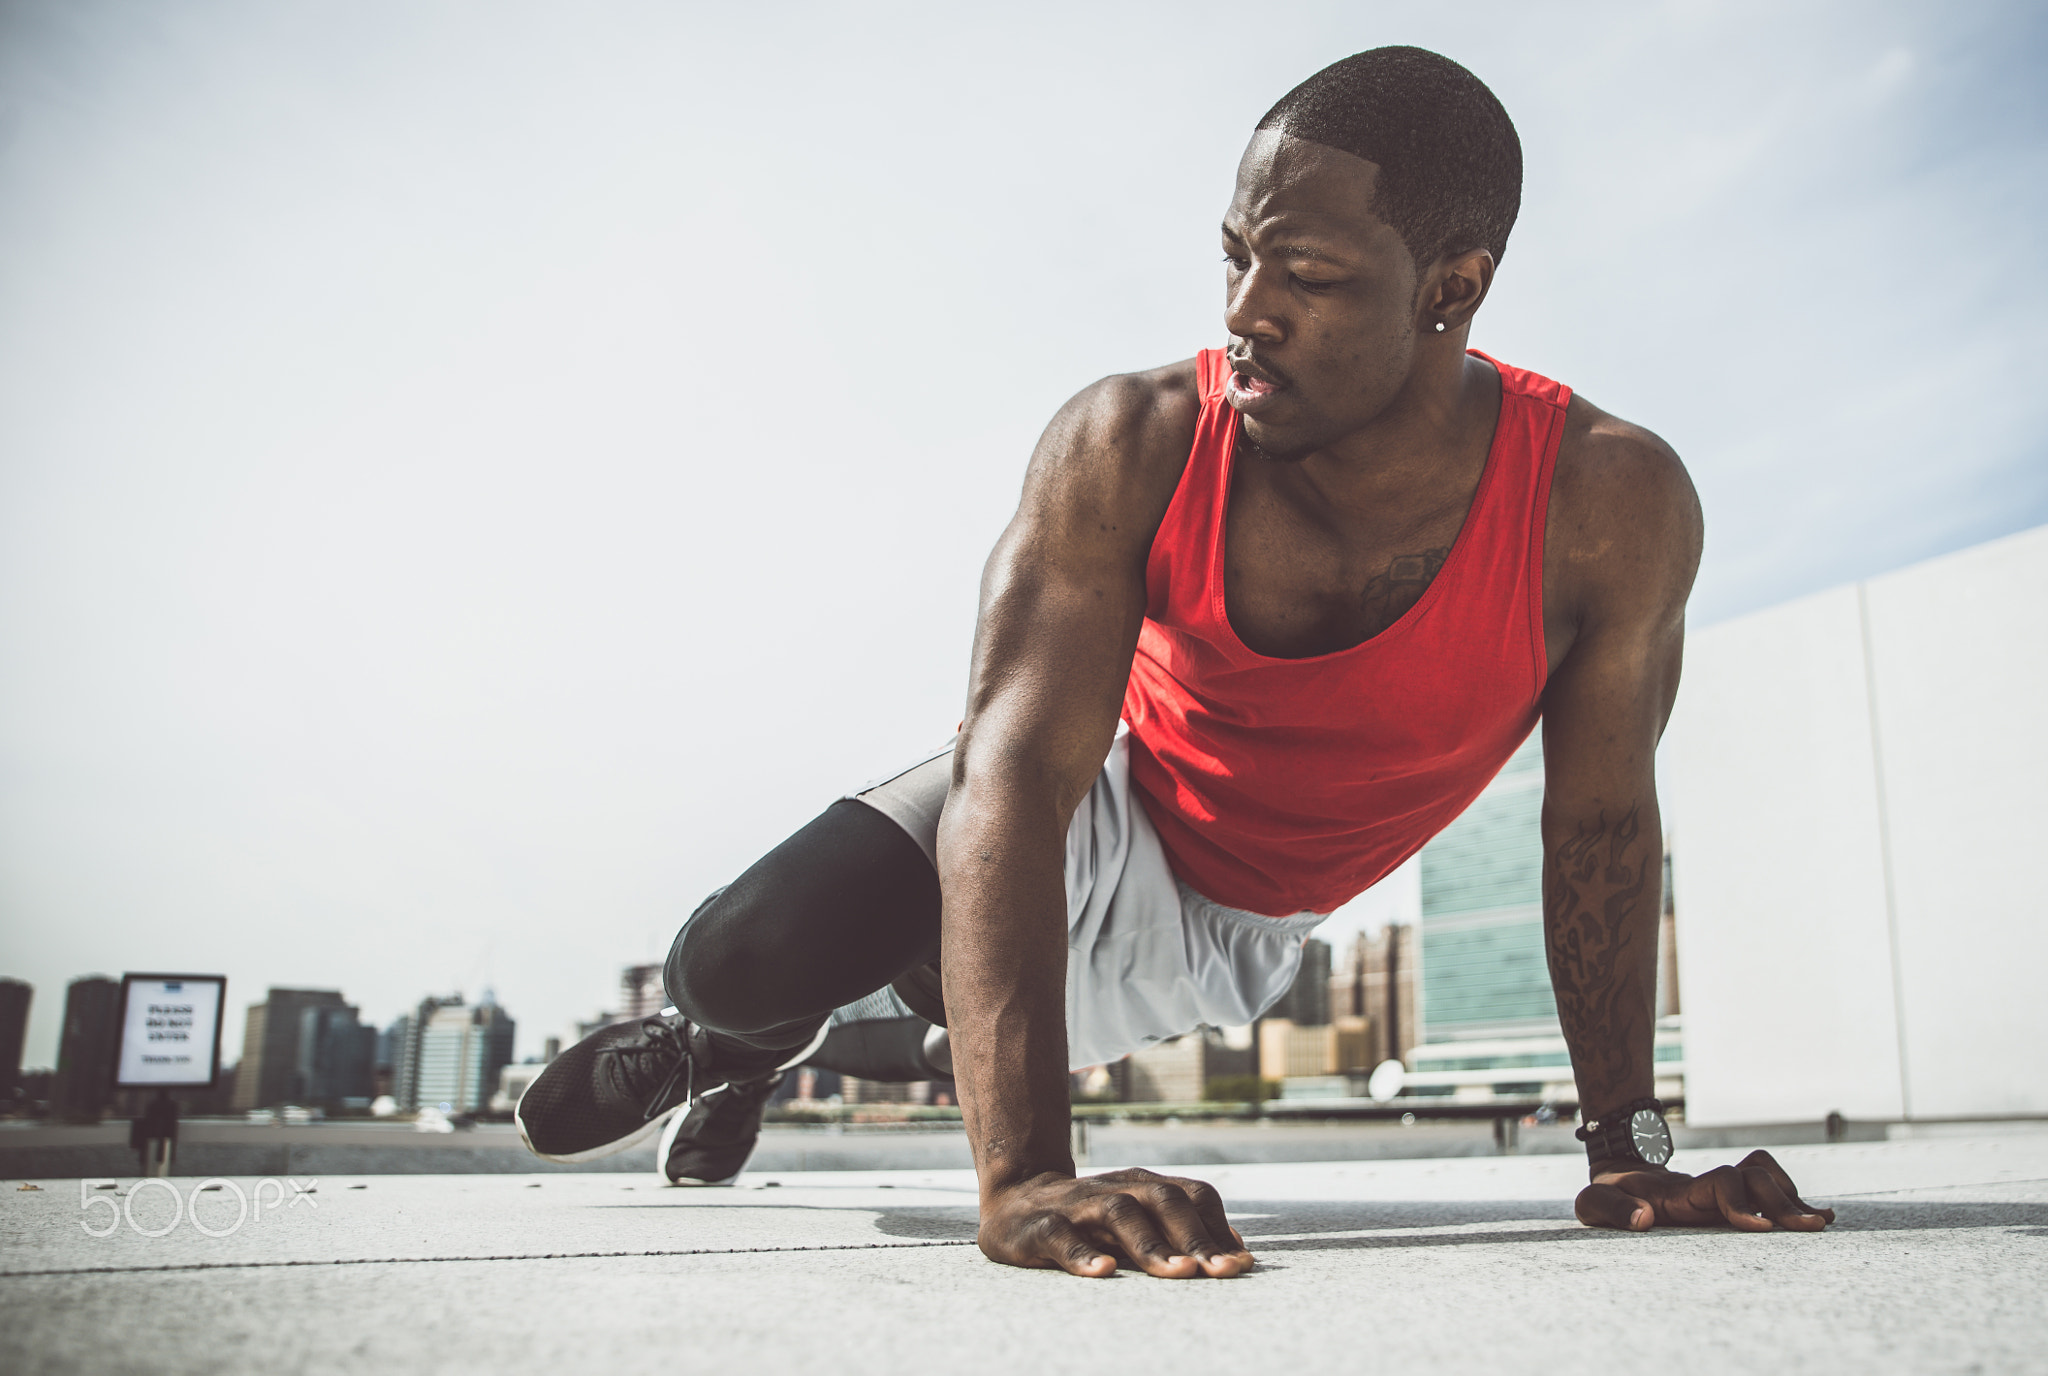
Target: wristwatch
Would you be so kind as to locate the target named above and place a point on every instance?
(1633, 1132)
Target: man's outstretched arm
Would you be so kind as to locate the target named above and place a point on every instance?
(1631, 531)
(1062, 600)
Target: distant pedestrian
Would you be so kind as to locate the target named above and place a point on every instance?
(154, 1134)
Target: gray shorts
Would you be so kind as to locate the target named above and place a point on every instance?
(1147, 957)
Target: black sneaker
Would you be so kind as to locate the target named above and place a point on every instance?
(620, 1083)
(709, 1143)
(611, 1089)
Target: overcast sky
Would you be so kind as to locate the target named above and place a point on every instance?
(474, 476)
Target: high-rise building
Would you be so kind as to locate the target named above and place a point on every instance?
(1488, 1019)
(1307, 1001)
(461, 1051)
(336, 1057)
(1484, 971)
(248, 1093)
(91, 1038)
(641, 994)
(1179, 1069)
(443, 1059)
(1376, 982)
(398, 1060)
(399, 1047)
(854, 1090)
(494, 1042)
(1175, 1071)
(14, 1001)
(270, 1069)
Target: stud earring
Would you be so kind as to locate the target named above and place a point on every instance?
(1439, 327)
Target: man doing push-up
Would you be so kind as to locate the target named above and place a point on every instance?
(1265, 621)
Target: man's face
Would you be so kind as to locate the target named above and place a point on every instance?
(1320, 299)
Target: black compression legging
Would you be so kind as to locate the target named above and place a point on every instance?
(842, 908)
(889, 1049)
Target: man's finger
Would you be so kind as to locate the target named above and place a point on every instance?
(1731, 1196)
(1189, 1232)
(1139, 1236)
(1777, 1206)
(1765, 1162)
(1609, 1206)
(1056, 1242)
(1215, 1222)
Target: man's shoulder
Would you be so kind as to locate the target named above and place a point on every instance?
(1621, 503)
(1611, 458)
(1154, 410)
(1119, 445)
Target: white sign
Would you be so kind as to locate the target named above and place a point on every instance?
(170, 1030)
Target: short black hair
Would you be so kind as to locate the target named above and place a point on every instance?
(1450, 162)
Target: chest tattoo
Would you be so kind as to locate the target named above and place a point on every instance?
(1388, 596)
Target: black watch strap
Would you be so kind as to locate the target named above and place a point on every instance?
(1610, 1138)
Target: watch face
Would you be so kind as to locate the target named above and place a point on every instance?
(1653, 1139)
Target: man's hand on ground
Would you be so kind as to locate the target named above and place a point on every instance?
(1164, 1225)
(1754, 1196)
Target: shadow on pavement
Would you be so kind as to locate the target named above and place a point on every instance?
(1887, 1216)
(1294, 1227)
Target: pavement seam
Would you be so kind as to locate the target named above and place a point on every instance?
(1427, 1230)
(496, 1256)
(1963, 1185)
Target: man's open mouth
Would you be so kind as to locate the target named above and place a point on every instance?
(1249, 390)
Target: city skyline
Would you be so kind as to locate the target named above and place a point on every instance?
(1398, 899)
(467, 491)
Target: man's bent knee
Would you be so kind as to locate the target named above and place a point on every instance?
(692, 977)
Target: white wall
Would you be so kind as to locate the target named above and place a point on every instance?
(1959, 655)
(1770, 796)
(1895, 721)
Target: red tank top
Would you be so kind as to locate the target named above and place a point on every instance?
(1283, 785)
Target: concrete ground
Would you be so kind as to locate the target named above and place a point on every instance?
(210, 1147)
(1939, 1263)
(353, 1147)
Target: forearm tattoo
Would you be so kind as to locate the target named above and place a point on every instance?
(1600, 926)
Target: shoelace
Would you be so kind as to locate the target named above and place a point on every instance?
(745, 1091)
(667, 1044)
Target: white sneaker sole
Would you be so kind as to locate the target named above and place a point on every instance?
(612, 1148)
